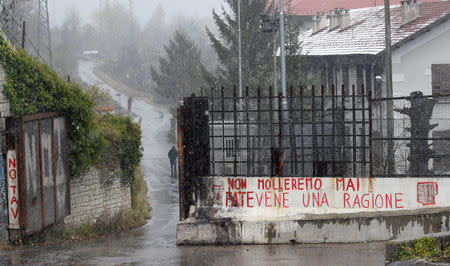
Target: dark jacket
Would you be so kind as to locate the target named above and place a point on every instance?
(173, 155)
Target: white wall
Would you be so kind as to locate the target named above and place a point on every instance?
(412, 62)
(260, 198)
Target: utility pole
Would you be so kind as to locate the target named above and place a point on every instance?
(132, 28)
(44, 47)
(131, 8)
(23, 34)
(7, 25)
(283, 55)
(389, 90)
(275, 72)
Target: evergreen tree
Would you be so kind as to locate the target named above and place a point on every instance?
(256, 45)
(180, 70)
(294, 74)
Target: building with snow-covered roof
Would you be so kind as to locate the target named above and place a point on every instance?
(347, 47)
(305, 10)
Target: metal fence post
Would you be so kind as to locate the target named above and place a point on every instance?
(196, 150)
(183, 212)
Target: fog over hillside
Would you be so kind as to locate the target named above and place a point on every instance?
(143, 8)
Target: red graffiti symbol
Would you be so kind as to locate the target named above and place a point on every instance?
(426, 193)
(218, 189)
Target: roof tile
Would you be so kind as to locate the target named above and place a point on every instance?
(311, 7)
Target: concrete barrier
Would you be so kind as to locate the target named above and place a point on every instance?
(316, 210)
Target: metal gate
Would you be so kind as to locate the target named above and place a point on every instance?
(41, 144)
(312, 132)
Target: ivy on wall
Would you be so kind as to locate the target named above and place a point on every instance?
(32, 87)
(121, 140)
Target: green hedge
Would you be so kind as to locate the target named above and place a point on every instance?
(121, 141)
(32, 87)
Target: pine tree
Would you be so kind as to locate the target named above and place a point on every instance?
(180, 70)
(294, 74)
(256, 45)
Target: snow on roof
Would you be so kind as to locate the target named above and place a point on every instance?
(365, 35)
(311, 7)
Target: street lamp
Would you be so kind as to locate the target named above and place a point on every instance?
(273, 25)
(240, 54)
(283, 55)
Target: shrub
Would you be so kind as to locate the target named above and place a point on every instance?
(121, 145)
(31, 88)
(109, 141)
(419, 248)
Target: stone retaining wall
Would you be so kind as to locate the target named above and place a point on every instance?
(90, 198)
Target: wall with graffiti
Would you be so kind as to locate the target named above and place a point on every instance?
(296, 197)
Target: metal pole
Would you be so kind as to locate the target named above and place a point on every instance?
(283, 54)
(23, 34)
(240, 54)
(274, 50)
(240, 116)
(389, 89)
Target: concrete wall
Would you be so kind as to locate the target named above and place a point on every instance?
(332, 229)
(90, 198)
(300, 198)
(412, 62)
(4, 112)
(316, 210)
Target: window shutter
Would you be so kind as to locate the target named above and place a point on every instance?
(445, 79)
(436, 79)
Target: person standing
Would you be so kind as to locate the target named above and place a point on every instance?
(173, 155)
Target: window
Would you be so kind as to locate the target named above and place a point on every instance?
(368, 70)
(359, 78)
(346, 78)
(440, 79)
(229, 148)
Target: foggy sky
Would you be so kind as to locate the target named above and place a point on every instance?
(143, 8)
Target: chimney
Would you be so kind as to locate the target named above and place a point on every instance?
(345, 19)
(319, 22)
(411, 10)
(335, 18)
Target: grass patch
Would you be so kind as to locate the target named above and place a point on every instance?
(426, 247)
(443, 257)
(121, 222)
(139, 201)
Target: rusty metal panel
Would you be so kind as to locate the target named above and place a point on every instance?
(32, 168)
(39, 116)
(47, 171)
(61, 168)
(44, 184)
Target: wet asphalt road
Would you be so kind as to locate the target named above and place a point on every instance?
(155, 243)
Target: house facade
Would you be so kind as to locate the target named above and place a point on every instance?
(347, 47)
